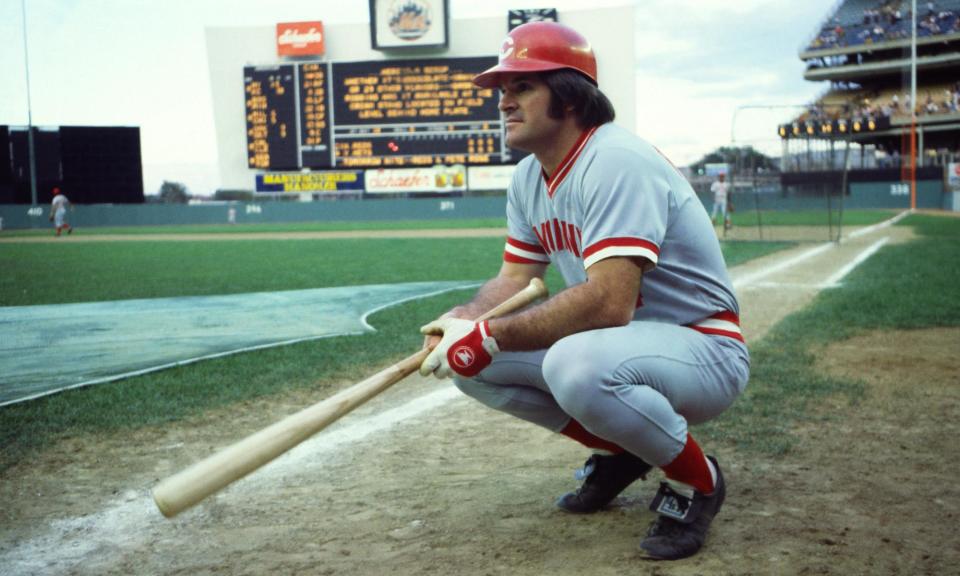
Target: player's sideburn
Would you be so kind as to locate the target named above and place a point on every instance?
(524, 103)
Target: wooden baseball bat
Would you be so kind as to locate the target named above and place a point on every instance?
(188, 487)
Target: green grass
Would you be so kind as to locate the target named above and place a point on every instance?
(908, 286)
(83, 272)
(902, 286)
(745, 216)
(173, 394)
(87, 272)
(271, 228)
(737, 252)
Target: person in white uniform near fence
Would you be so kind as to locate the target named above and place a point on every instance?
(58, 212)
(720, 190)
(645, 339)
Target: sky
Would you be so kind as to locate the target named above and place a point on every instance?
(703, 67)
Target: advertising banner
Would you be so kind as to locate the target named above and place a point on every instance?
(332, 181)
(490, 177)
(300, 39)
(430, 179)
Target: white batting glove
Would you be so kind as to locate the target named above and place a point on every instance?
(466, 348)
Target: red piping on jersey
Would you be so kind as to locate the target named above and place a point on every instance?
(567, 163)
(720, 324)
(610, 242)
(536, 251)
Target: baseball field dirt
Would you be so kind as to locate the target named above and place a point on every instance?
(422, 480)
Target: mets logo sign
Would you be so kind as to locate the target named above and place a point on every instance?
(410, 19)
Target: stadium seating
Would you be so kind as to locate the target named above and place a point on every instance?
(864, 22)
(891, 102)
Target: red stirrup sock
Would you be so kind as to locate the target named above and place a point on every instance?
(691, 468)
(576, 431)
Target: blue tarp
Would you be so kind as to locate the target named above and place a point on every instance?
(45, 349)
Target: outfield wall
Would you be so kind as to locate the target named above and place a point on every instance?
(862, 196)
(88, 216)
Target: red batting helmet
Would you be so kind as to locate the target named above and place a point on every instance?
(539, 47)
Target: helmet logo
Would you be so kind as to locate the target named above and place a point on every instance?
(507, 49)
(463, 357)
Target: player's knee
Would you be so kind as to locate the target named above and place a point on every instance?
(490, 395)
(472, 387)
(573, 380)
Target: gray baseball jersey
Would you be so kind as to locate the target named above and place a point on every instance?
(616, 195)
(681, 360)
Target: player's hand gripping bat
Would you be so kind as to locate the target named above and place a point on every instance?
(188, 487)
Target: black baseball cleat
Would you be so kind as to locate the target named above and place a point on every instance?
(681, 528)
(603, 478)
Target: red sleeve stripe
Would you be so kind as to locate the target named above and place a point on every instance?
(620, 247)
(517, 255)
(524, 246)
(508, 257)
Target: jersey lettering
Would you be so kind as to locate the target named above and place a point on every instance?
(556, 235)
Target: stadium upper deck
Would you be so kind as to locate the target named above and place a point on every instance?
(863, 48)
(866, 23)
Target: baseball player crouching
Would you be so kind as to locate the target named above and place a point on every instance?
(645, 339)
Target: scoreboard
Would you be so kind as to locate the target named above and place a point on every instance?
(271, 108)
(383, 113)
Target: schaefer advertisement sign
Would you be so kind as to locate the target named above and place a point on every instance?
(333, 181)
(300, 39)
(400, 180)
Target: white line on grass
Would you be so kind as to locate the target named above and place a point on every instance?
(759, 275)
(884, 224)
(834, 280)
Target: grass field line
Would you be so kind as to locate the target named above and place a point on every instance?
(758, 276)
(875, 227)
(753, 278)
(834, 280)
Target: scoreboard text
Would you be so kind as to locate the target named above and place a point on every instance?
(384, 113)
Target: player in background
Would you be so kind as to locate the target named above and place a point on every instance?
(58, 211)
(720, 190)
(645, 339)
